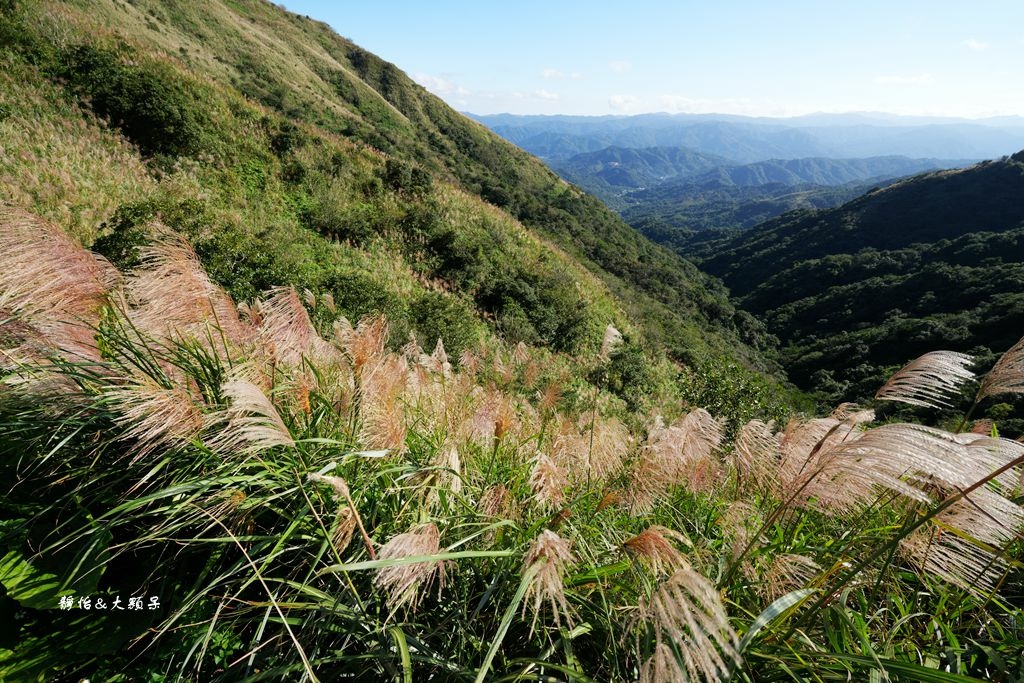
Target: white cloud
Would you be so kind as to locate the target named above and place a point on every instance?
(679, 104)
(903, 79)
(440, 86)
(620, 66)
(545, 94)
(976, 45)
(623, 103)
(556, 74)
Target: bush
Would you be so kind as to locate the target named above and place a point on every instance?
(629, 375)
(148, 101)
(435, 315)
(287, 138)
(402, 176)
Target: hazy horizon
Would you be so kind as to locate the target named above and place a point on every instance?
(878, 115)
(915, 58)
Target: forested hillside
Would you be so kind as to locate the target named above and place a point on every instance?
(932, 261)
(611, 172)
(686, 215)
(667, 193)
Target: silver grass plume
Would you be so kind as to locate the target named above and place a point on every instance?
(653, 547)
(287, 332)
(787, 572)
(931, 380)
(52, 286)
(404, 583)
(756, 454)
(611, 341)
(804, 448)
(953, 559)
(154, 416)
(687, 615)
(249, 423)
(548, 558)
(853, 414)
(437, 362)
(547, 481)
(680, 454)
(170, 294)
(661, 667)
(610, 444)
(963, 543)
(1006, 376)
(382, 384)
(345, 520)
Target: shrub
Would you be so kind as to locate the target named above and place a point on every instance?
(148, 101)
(435, 315)
(402, 176)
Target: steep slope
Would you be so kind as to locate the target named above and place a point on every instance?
(247, 116)
(932, 261)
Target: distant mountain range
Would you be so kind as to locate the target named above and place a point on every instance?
(747, 139)
(664, 189)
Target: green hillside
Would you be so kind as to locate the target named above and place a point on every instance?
(218, 110)
(682, 214)
(668, 193)
(933, 261)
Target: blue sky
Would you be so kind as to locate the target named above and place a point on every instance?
(750, 57)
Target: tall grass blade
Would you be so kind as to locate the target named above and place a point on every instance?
(506, 621)
(773, 612)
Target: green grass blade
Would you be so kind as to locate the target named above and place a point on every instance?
(773, 612)
(907, 671)
(506, 621)
(403, 647)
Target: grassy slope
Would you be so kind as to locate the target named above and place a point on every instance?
(249, 68)
(262, 52)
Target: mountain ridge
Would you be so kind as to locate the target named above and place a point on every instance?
(748, 139)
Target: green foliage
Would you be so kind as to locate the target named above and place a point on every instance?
(148, 100)
(933, 262)
(402, 176)
(435, 316)
(124, 235)
(630, 375)
(735, 394)
(287, 138)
